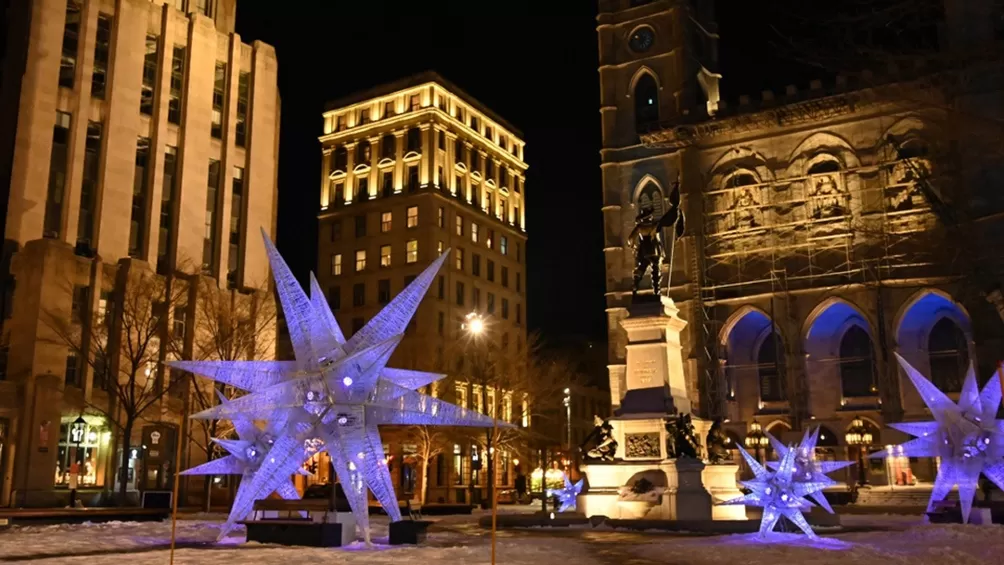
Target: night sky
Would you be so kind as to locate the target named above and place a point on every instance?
(536, 68)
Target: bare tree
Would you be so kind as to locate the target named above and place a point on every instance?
(430, 441)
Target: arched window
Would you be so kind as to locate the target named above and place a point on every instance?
(827, 166)
(857, 368)
(388, 146)
(339, 159)
(770, 369)
(363, 153)
(651, 197)
(646, 102)
(948, 351)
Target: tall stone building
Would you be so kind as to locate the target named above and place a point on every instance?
(146, 145)
(411, 169)
(813, 254)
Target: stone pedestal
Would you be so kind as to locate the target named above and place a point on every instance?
(678, 494)
(654, 382)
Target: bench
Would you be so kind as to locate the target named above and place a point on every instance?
(410, 530)
(309, 522)
(945, 512)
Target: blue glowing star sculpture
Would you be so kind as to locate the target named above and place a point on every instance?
(567, 495)
(332, 397)
(778, 492)
(966, 436)
(807, 468)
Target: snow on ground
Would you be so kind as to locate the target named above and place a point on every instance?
(891, 540)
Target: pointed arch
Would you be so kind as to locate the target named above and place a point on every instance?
(934, 334)
(753, 358)
(642, 71)
(643, 183)
(825, 143)
(645, 91)
(839, 342)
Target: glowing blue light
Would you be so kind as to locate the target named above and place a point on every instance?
(567, 495)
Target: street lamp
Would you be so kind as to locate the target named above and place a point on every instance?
(860, 436)
(756, 439)
(476, 327)
(77, 431)
(568, 419)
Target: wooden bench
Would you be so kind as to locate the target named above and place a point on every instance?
(412, 528)
(309, 522)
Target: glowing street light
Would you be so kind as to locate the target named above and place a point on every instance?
(474, 324)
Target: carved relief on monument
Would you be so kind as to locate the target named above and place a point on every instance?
(826, 192)
(642, 446)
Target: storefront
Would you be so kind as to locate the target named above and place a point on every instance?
(83, 449)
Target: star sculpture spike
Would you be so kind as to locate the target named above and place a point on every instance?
(778, 493)
(807, 468)
(966, 436)
(333, 397)
(568, 495)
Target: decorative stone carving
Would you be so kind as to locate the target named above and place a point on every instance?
(641, 446)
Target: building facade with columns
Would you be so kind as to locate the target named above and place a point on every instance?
(146, 145)
(410, 170)
(812, 255)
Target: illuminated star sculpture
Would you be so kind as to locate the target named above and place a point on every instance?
(966, 436)
(778, 493)
(333, 397)
(807, 468)
(567, 495)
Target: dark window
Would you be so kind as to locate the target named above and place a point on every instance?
(335, 298)
(357, 324)
(770, 368)
(412, 178)
(339, 159)
(383, 291)
(57, 176)
(474, 123)
(364, 117)
(505, 276)
(475, 160)
(948, 351)
(409, 279)
(442, 140)
(460, 293)
(491, 303)
(364, 153)
(72, 375)
(388, 109)
(140, 189)
(219, 89)
(491, 271)
(340, 123)
(360, 225)
(646, 102)
(180, 324)
(857, 368)
(243, 97)
(71, 43)
(211, 221)
(236, 213)
(415, 140)
(388, 183)
(362, 188)
(458, 151)
(489, 168)
(102, 46)
(337, 196)
(165, 243)
(149, 76)
(459, 185)
(414, 102)
(475, 264)
(505, 308)
(336, 230)
(79, 304)
(359, 294)
(442, 288)
(89, 187)
(177, 84)
(388, 146)
(441, 179)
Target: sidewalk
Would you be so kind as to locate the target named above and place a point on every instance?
(39, 516)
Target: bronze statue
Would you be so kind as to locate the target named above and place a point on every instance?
(681, 439)
(646, 240)
(606, 445)
(718, 444)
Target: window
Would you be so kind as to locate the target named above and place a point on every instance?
(71, 42)
(149, 76)
(383, 291)
(243, 97)
(460, 259)
(505, 276)
(89, 187)
(102, 46)
(58, 160)
(236, 213)
(474, 124)
(505, 309)
(165, 242)
(460, 293)
(491, 271)
(519, 282)
(646, 102)
(489, 169)
(409, 279)
(475, 297)
(364, 153)
(475, 264)
(360, 260)
(412, 178)
(72, 375)
(507, 407)
(209, 235)
(388, 109)
(364, 117)
(412, 251)
(357, 324)
(439, 248)
(360, 225)
(412, 216)
(475, 160)
(78, 306)
(491, 239)
(340, 123)
(336, 264)
(441, 137)
(414, 140)
(388, 146)
(770, 369)
(335, 298)
(440, 323)
(204, 7)
(458, 151)
(460, 115)
(948, 352)
(359, 294)
(362, 188)
(414, 102)
(179, 323)
(458, 185)
(385, 222)
(177, 84)
(491, 303)
(474, 232)
(519, 314)
(857, 375)
(388, 183)
(516, 219)
(219, 89)
(137, 223)
(337, 195)
(339, 159)
(441, 217)
(503, 245)
(384, 256)
(460, 225)
(515, 184)
(440, 179)
(441, 288)
(336, 230)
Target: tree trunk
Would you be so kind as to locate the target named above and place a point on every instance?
(124, 463)
(423, 493)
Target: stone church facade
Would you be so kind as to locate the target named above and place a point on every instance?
(812, 256)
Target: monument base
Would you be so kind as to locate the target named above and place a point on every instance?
(671, 490)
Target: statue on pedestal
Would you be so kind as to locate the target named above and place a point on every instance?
(717, 442)
(646, 240)
(681, 439)
(606, 445)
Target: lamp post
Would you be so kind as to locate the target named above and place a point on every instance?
(77, 431)
(756, 439)
(860, 436)
(476, 328)
(568, 420)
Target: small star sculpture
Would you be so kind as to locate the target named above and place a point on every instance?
(966, 436)
(807, 468)
(567, 495)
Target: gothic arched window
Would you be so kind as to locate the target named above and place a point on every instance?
(948, 351)
(646, 102)
(651, 197)
(770, 369)
(857, 367)
(388, 146)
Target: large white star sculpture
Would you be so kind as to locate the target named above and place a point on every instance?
(965, 435)
(332, 397)
(778, 493)
(808, 469)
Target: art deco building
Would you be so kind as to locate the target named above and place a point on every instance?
(410, 170)
(812, 256)
(146, 142)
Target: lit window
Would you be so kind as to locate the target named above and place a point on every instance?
(385, 256)
(460, 259)
(491, 402)
(461, 399)
(479, 404)
(504, 245)
(507, 407)
(360, 260)
(526, 412)
(460, 225)
(385, 221)
(336, 264)
(441, 217)
(412, 216)
(412, 255)
(474, 232)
